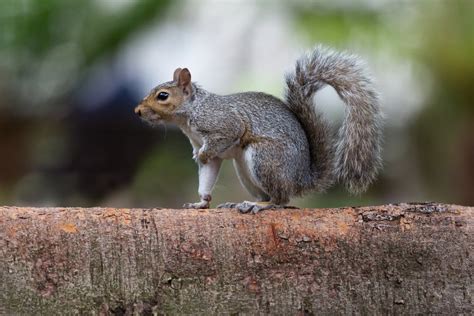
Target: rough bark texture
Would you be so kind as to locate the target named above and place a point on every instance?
(392, 259)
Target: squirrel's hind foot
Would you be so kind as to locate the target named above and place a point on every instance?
(247, 207)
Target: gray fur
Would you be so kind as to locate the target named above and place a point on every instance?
(355, 157)
(259, 123)
(284, 149)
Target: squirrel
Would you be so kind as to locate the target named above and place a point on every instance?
(280, 148)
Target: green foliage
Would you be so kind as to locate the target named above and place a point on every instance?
(35, 27)
(53, 41)
(336, 26)
(443, 131)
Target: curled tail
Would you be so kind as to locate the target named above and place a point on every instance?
(355, 156)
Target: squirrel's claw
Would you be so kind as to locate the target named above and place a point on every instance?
(197, 205)
(227, 205)
(250, 207)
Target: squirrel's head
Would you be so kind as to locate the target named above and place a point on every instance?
(163, 100)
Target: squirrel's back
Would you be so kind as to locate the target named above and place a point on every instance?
(264, 115)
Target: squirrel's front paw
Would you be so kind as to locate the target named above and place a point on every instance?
(197, 205)
(204, 203)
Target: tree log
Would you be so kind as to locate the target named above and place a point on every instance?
(391, 259)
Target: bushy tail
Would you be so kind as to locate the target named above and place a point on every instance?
(355, 157)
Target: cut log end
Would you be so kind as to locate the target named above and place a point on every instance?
(391, 259)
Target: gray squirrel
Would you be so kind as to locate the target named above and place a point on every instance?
(280, 149)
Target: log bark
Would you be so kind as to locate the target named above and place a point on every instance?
(391, 259)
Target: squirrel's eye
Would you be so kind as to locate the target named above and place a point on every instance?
(162, 96)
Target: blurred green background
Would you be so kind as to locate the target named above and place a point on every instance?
(71, 73)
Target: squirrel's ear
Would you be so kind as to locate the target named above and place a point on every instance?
(184, 80)
(176, 74)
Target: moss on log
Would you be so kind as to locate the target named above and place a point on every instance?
(391, 259)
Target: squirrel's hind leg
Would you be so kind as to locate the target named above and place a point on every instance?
(247, 167)
(264, 171)
(242, 165)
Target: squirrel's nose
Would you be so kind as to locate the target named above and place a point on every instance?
(137, 111)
